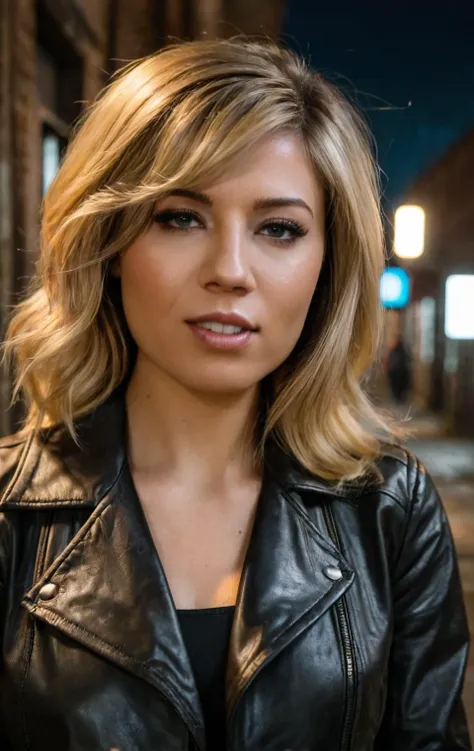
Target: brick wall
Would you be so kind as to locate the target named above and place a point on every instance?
(6, 183)
(137, 30)
(24, 140)
(19, 211)
(96, 14)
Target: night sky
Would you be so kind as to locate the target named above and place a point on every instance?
(387, 55)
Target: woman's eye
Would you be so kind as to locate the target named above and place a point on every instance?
(177, 219)
(283, 231)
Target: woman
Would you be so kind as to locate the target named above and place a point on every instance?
(204, 541)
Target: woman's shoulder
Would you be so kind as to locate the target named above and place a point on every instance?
(408, 499)
(399, 476)
(29, 457)
(397, 470)
(12, 450)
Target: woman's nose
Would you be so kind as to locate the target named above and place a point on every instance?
(229, 261)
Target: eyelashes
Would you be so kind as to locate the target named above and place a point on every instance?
(184, 222)
(164, 218)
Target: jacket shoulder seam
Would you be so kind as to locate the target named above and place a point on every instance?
(397, 452)
(409, 510)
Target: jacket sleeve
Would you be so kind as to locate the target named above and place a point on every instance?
(424, 710)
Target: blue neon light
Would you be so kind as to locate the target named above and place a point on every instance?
(394, 288)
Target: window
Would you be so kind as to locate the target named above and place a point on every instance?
(54, 129)
(52, 149)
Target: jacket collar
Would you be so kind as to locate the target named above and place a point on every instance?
(55, 472)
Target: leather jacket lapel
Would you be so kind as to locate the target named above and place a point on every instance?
(110, 593)
(285, 585)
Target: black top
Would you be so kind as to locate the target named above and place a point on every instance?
(206, 635)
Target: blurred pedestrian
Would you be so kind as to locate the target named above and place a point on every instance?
(399, 371)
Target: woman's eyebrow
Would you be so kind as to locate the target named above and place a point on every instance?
(272, 203)
(260, 203)
(194, 195)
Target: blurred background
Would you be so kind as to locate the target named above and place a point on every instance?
(408, 66)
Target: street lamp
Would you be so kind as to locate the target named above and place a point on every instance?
(409, 231)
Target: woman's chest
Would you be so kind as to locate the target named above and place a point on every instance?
(200, 539)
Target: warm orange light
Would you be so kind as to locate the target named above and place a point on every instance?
(409, 231)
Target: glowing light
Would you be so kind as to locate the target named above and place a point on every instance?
(459, 307)
(394, 288)
(409, 231)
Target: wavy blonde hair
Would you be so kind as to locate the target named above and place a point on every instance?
(176, 119)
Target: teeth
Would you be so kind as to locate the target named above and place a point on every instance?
(219, 328)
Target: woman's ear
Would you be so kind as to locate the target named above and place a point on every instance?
(115, 266)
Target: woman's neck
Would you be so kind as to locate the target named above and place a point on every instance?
(206, 439)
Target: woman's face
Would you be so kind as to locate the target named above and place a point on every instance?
(243, 253)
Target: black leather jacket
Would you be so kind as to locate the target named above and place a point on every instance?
(350, 632)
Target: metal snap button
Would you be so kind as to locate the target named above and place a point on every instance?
(48, 591)
(333, 572)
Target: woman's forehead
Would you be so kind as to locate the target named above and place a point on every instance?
(278, 166)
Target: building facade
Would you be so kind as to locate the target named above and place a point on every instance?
(444, 367)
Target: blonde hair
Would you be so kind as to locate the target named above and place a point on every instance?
(176, 119)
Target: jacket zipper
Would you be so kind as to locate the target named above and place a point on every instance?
(348, 647)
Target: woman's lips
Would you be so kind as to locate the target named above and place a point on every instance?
(225, 319)
(217, 340)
